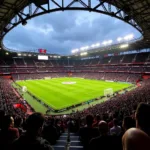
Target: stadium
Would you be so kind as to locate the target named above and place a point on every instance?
(95, 97)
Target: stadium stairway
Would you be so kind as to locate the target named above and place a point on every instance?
(74, 143)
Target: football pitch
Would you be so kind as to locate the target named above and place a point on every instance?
(60, 93)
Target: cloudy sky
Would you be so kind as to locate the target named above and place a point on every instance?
(60, 32)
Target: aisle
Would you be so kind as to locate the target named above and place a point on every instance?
(75, 144)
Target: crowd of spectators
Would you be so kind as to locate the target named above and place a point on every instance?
(8, 98)
(118, 123)
(39, 132)
(123, 77)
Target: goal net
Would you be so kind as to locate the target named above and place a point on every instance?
(47, 78)
(108, 92)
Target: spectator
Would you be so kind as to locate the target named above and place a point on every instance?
(8, 133)
(97, 120)
(104, 141)
(50, 132)
(32, 138)
(18, 124)
(128, 123)
(115, 130)
(135, 139)
(143, 117)
(88, 132)
(2, 114)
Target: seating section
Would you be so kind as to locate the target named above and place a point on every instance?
(8, 98)
(74, 131)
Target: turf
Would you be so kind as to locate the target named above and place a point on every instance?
(58, 96)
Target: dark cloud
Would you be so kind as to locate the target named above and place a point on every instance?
(61, 32)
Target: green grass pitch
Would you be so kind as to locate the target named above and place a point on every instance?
(58, 96)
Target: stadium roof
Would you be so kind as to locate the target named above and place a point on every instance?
(136, 13)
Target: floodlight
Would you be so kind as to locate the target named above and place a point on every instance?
(75, 50)
(29, 55)
(85, 53)
(24, 22)
(124, 45)
(19, 54)
(7, 53)
(129, 37)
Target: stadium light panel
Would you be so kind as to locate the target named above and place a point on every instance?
(85, 53)
(124, 45)
(75, 50)
(129, 37)
(19, 54)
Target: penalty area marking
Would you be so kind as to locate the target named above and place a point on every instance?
(69, 82)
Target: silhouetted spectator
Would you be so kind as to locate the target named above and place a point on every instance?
(143, 117)
(8, 133)
(50, 132)
(88, 132)
(97, 120)
(2, 114)
(32, 139)
(135, 139)
(115, 130)
(104, 141)
(18, 124)
(128, 123)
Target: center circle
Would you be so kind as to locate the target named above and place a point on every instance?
(69, 82)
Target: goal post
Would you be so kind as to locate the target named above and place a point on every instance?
(108, 92)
